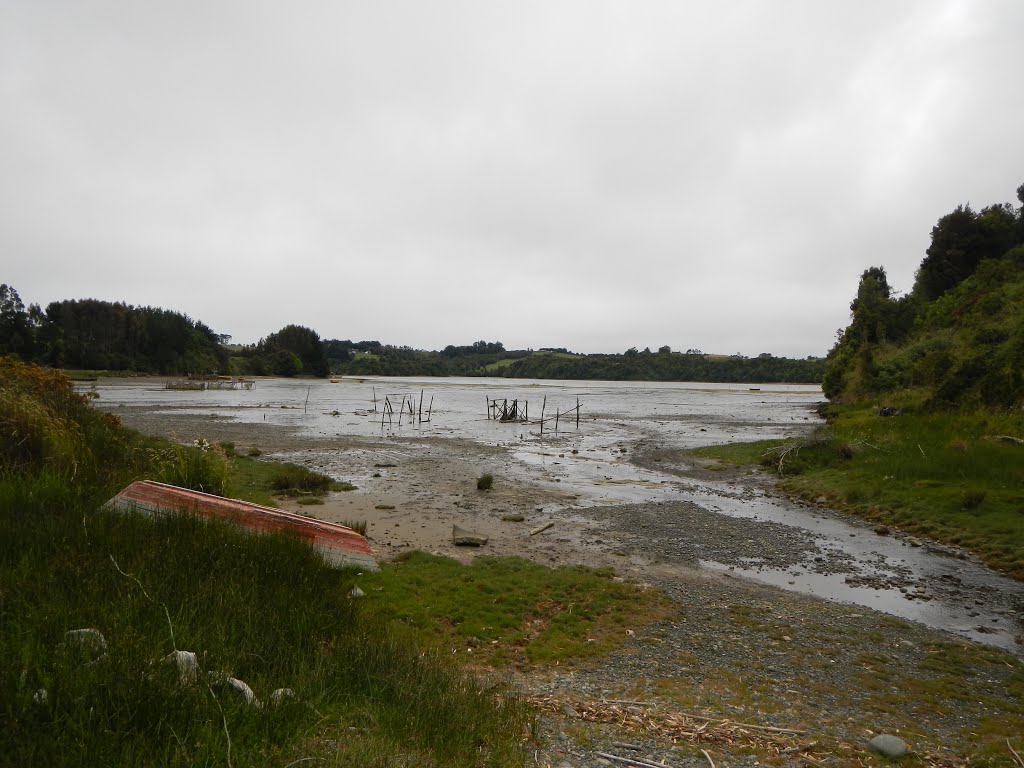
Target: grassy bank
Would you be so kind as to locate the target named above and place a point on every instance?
(371, 681)
(262, 609)
(956, 477)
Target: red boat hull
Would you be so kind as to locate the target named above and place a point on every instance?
(339, 545)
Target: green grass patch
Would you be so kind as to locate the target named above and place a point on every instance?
(945, 475)
(261, 481)
(484, 482)
(508, 609)
(738, 453)
(498, 365)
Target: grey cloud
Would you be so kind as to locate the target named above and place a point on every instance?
(590, 175)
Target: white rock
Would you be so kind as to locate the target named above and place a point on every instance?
(188, 666)
(40, 696)
(356, 592)
(278, 696)
(242, 689)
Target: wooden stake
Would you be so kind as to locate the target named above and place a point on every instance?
(307, 400)
(543, 405)
(421, 407)
(374, 399)
(577, 413)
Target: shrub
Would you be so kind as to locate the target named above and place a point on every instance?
(202, 467)
(484, 482)
(45, 426)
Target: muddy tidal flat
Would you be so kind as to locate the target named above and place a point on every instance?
(788, 614)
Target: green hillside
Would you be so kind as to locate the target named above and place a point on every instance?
(957, 339)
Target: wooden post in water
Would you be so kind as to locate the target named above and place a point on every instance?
(401, 412)
(420, 416)
(577, 413)
(307, 399)
(430, 407)
(488, 409)
(556, 421)
(375, 401)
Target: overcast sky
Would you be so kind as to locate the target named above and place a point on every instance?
(594, 175)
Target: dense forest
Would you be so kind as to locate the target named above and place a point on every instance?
(90, 334)
(101, 335)
(957, 339)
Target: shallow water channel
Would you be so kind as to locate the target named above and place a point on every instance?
(842, 560)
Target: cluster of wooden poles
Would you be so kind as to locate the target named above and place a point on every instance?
(497, 410)
(408, 405)
(503, 410)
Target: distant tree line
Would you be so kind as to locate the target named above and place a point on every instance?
(369, 358)
(669, 366)
(958, 337)
(99, 335)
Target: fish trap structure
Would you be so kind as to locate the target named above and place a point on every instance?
(504, 410)
(408, 406)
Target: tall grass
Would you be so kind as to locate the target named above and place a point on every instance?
(265, 609)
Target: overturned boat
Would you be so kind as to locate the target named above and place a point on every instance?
(338, 544)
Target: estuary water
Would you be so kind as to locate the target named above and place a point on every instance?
(603, 423)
